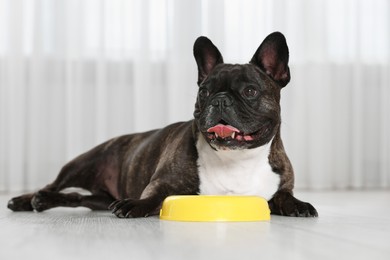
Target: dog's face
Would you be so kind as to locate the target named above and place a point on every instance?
(238, 105)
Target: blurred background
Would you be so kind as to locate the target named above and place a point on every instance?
(74, 73)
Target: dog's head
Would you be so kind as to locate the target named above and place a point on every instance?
(238, 105)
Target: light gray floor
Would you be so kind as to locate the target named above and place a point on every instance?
(352, 225)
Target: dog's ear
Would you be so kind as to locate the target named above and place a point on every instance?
(207, 56)
(272, 58)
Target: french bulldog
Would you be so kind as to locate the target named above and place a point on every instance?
(232, 146)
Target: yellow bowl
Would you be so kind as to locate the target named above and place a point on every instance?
(208, 208)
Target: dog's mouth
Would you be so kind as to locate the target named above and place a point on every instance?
(228, 133)
(224, 136)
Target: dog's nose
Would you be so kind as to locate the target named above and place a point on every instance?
(222, 100)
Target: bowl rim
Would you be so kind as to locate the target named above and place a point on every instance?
(215, 208)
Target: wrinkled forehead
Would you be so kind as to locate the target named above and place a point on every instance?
(236, 73)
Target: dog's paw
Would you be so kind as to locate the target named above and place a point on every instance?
(285, 204)
(300, 209)
(42, 200)
(21, 203)
(130, 208)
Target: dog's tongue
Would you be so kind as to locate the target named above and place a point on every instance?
(223, 130)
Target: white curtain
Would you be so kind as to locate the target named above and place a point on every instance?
(74, 73)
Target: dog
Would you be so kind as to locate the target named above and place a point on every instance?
(232, 146)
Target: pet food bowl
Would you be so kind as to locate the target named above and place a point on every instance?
(209, 208)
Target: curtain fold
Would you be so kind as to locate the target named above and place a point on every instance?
(75, 73)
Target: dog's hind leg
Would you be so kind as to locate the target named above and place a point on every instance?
(93, 177)
(51, 195)
(43, 200)
(92, 171)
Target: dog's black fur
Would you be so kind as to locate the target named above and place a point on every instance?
(135, 173)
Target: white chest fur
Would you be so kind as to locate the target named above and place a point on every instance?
(236, 172)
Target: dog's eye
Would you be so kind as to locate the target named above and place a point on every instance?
(250, 92)
(203, 93)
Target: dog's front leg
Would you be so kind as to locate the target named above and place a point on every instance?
(148, 204)
(285, 204)
(134, 208)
